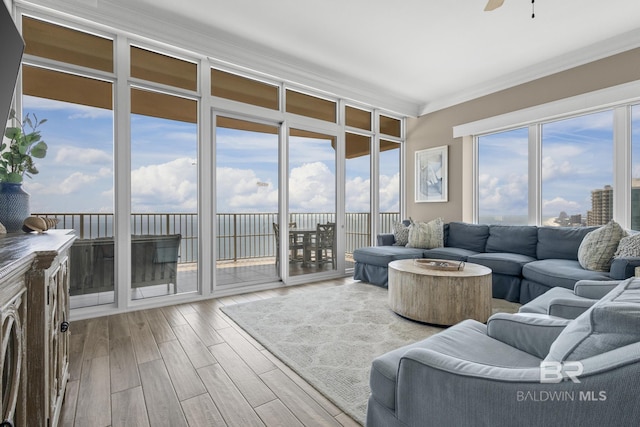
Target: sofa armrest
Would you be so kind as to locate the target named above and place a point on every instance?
(386, 239)
(623, 268)
(529, 333)
(448, 391)
(570, 308)
(594, 289)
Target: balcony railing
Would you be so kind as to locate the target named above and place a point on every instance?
(239, 235)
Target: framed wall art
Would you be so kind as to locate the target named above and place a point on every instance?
(432, 174)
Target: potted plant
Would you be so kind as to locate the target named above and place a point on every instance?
(16, 161)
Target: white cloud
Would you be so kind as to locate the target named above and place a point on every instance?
(311, 188)
(74, 183)
(167, 187)
(357, 195)
(238, 190)
(76, 111)
(507, 195)
(559, 204)
(552, 170)
(389, 193)
(83, 155)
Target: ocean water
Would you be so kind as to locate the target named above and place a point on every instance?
(239, 235)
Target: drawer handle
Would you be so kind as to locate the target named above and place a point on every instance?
(64, 327)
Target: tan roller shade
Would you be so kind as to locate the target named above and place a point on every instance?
(65, 87)
(228, 123)
(241, 89)
(358, 118)
(311, 106)
(66, 45)
(155, 67)
(163, 106)
(390, 126)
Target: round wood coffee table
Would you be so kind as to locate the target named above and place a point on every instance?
(440, 297)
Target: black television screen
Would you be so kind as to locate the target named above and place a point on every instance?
(11, 48)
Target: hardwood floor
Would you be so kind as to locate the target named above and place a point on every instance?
(187, 365)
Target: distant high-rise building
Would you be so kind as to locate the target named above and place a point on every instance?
(601, 206)
(635, 204)
(575, 220)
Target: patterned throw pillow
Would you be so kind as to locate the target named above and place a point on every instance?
(427, 235)
(629, 247)
(401, 234)
(598, 247)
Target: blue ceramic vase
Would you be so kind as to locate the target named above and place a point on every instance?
(14, 206)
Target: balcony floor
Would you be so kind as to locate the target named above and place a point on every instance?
(228, 273)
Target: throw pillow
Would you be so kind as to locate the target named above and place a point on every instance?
(599, 246)
(629, 247)
(426, 235)
(401, 234)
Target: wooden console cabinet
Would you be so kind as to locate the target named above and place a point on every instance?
(34, 309)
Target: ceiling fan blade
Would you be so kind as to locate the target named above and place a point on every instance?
(493, 4)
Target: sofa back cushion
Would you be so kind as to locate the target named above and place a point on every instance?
(612, 322)
(560, 242)
(463, 235)
(516, 239)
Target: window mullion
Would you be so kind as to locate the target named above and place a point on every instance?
(622, 165)
(535, 174)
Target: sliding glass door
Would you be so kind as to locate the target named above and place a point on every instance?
(247, 208)
(312, 233)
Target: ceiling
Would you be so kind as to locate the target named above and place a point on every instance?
(429, 54)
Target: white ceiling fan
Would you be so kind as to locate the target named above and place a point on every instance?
(493, 4)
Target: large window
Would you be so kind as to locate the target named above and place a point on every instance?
(164, 177)
(635, 167)
(503, 177)
(75, 182)
(554, 173)
(577, 170)
(135, 157)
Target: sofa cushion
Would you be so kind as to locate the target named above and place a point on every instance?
(560, 242)
(426, 235)
(467, 236)
(383, 255)
(384, 369)
(598, 247)
(612, 322)
(502, 263)
(559, 272)
(456, 254)
(517, 239)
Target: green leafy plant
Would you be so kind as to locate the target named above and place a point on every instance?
(25, 144)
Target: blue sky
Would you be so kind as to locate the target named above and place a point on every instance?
(77, 174)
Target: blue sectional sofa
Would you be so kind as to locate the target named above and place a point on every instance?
(526, 261)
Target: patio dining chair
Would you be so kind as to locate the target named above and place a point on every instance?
(323, 244)
(295, 247)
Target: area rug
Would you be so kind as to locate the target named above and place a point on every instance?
(330, 336)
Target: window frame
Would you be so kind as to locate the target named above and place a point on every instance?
(618, 98)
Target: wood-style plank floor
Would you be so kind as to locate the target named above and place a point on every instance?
(187, 365)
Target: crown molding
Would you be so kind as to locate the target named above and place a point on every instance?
(209, 42)
(594, 52)
(610, 97)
